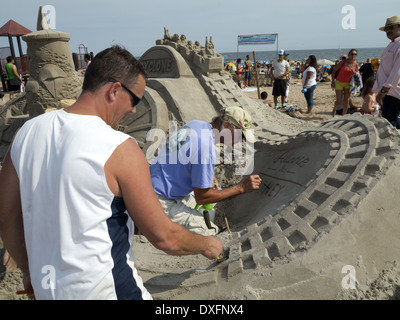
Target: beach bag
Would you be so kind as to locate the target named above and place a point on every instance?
(334, 76)
(357, 80)
(356, 84)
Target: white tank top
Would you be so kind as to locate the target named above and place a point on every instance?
(78, 234)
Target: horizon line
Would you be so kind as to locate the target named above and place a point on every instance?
(358, 48)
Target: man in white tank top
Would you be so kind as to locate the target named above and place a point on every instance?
(74, 177)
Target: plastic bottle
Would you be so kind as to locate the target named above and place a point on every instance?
(304, 90)
(21, 87)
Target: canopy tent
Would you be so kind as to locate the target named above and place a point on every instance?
(14, 29)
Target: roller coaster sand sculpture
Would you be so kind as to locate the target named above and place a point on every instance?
(325, 222)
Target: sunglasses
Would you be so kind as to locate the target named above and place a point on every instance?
(135, 98)
(391, 27)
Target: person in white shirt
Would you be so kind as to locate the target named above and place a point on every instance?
(309, 81)
(280, 69)
(72, 185)
(387, 83)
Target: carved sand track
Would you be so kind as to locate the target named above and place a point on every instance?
(359, 148)
(312, 182)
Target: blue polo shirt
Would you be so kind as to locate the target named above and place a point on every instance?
(186, 161)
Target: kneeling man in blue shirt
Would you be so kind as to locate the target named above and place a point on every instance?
(186, 164)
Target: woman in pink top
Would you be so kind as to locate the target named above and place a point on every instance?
(345, 71)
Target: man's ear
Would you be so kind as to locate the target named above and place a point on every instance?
(112, 92)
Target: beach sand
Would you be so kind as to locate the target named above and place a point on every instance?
(324, 98)
(167, 266)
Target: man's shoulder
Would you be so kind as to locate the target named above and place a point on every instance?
(126, 149)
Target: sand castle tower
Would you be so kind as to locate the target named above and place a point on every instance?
(52, 80)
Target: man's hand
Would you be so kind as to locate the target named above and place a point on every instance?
(211, 195)
(251, 183)
(215, 248)
(215, 184)
(379, 98)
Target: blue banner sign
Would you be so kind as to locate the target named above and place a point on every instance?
(257, 39)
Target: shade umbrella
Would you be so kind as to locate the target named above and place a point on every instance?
(13, 29)
(232, 65)
(323, 62)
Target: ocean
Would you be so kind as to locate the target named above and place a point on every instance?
(298, 55)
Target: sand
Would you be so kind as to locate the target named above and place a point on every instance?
(316, 274)
(324, 98)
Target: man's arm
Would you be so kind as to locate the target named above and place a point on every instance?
(272, 72)
(11, 224)
(287, 70)
(393, 79)
(14, 69)
(132, 176)
(380, 95)
(210, 195)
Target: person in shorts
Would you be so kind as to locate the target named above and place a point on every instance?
(280, 69)
(342, 75)
(247, 71)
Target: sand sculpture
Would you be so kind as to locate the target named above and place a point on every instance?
(324, 222)
(52, 79)
(52, 71)
(318, 212)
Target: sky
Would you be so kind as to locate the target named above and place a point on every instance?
(136, 25)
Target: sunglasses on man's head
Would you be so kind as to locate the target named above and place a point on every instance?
(135, 98)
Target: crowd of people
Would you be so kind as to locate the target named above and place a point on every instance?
(72, 185)
(377, 84)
